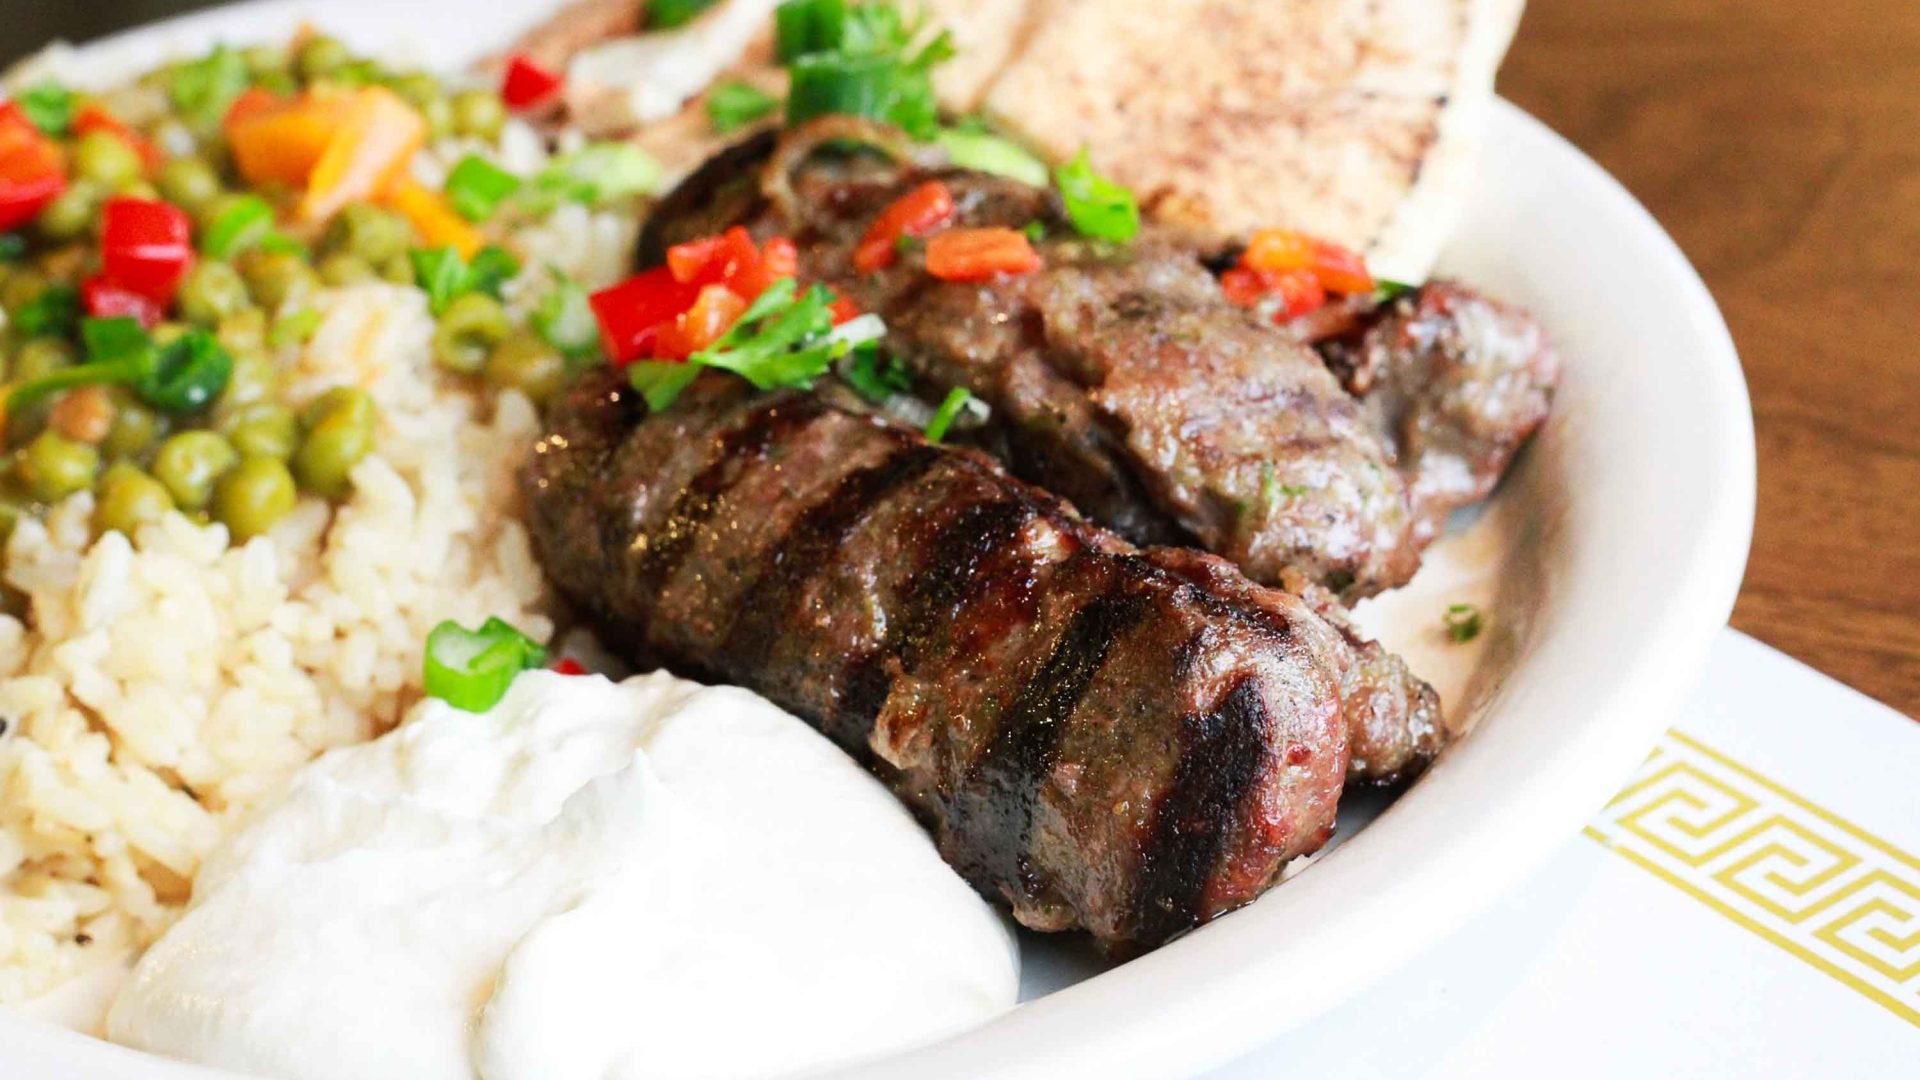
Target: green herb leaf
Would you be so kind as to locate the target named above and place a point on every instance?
(947, 413)
(1386, 291)
(49, 106)
(595, 174)
(768, 345)
(187, 374)
(565, 320)
(54, 313)
(202, 89)
(992, 154)
(874, 377)
(667, 14)
(660, 381)
(809, 26)
(472, 669)
(184, 375)
(733, 105)
(1463, 622)
(245, 223)
(445, 277)
(880, 87)
(476, 187)
(1098, 207)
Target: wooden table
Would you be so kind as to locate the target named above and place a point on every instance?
(1779, 140)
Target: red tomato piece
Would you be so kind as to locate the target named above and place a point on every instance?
(145, 246)
(528, 85)
(980, 254)
(631, 313)
(95, 118)
(105, 300)
(1300, 291)
(568, 666)
(843, 310)
(715, 260)
(1244, 286)
(1340, 269)
(919, 213)
(32, 168)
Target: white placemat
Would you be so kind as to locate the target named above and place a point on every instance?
(1748, 906)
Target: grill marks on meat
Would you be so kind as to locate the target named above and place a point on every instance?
(1126, 741)
(1121, 380)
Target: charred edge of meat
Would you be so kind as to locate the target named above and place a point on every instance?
(725, 186)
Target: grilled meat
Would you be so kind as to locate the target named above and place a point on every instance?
(1455, 382)
(1130, 742)
(1121, 380)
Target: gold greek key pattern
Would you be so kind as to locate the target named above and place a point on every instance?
(1805, 879)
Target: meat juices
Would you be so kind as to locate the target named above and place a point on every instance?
(1125, 741)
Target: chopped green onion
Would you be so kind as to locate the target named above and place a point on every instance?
(880, 87)
(992, 154)
(1386, 291)
(49, 106)
(876, 379)
(565, 319)
(595, 174)
(947, 413)
(188, 373)
(660, 381)
(445, 276)
(281, 244)
(809, 26)
(667, 14)
(784, 338)
(1097, 206)
(1463, 622)
(54, 313)
(471, 669)
(733, 105)
(476, 187)
(245, 222)
(202, 89)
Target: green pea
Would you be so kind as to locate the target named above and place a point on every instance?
(189, 183)
(525, 362)
(129, 499)
(264, 59)
(469, 329)
(321, 56)
(42, 357)
(212, 292)
(106, 159)
(479, 113)
(343, 268)
(22, 287)
(252, 496)
(189, 463)
(339, 433)
(429, 98)
(372, 233)
(135, 428)
(72, 213)
(55, 467)
(274, 277)
(138, 189)
(397, 270)
(263, 429)
(243, 331)
(256, 377)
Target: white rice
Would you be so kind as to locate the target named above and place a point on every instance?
(158, 688)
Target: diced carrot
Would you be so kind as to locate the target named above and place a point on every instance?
(369, 150)
(280, 140)
(433, 218)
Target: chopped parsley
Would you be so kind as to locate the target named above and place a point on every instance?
(54, 313)
(446, 277)
(49, 106)
(860, 60)
(476, 187)
(785, 338)
(667, 14)
(874, 377)
(949, 411)
(1386, 291)
(1463, 623)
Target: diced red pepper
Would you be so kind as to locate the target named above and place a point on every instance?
(32, 168)
(568, 666)
(1278, 251)
(631, 313)
(527, 85)
(105, 300)
(843, 310)
(712, 314)
(980, 254)
(731, 259)
(919, 213)
(1300, 292)
(145, 246)
(1245, 287)
(95, 118)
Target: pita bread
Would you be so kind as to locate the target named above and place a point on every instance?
(1357, 120)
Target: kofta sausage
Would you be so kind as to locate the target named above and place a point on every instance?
(1125, 741)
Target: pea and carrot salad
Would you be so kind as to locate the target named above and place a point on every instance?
(162, 247)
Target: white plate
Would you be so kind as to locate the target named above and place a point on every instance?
(1609, 560)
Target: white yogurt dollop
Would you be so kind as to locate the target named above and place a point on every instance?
(593, 881)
